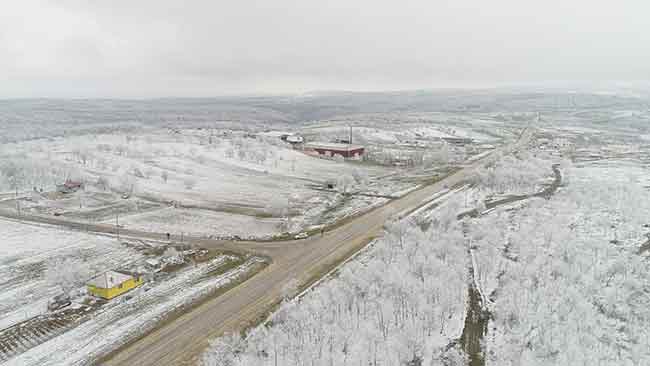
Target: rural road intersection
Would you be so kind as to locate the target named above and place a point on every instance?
(182, 340)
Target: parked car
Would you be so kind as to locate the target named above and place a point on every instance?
(58, 302)
(301, 236)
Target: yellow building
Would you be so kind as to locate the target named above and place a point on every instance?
(111, 284)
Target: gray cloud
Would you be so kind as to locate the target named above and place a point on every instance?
(166, 48)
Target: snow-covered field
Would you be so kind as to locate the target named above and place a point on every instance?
(186, 167)
(125, 319)
(29, 255)
(242, 180)
(40, 261)
(202, 222)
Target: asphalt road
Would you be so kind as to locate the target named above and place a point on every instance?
(182, 340)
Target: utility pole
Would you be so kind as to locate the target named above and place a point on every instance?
(288, 213)
(349, 144)
(117, 226)
(350, 139)
(17, 201)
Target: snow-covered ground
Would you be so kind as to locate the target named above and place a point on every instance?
(231, 178)
(562, 276)
(202, 223)
(125, 319)
(229, 173)
(40, 261)
(29, 254)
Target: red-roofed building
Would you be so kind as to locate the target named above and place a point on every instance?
(332, 149)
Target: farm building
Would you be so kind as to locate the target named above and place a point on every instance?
(458, 140)
(111, 284)
(294, 139)
(333, 149)
(289, 137)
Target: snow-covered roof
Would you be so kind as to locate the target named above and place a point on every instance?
(276, 133)
(332, 146)
(152, 262)
(295, 138)
(72, 183)
(109, 279)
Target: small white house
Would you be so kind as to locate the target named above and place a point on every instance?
(295, 139)
(153, 264)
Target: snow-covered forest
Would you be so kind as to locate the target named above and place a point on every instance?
(562, 280)
(522, 174)
(566, 282)
(401, 301)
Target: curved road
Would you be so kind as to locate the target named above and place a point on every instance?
(182, 340)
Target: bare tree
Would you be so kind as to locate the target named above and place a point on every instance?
(137, 172)
(102, 183)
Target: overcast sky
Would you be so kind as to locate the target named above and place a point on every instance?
(140, 48)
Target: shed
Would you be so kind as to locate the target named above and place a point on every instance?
(153, 264)
(333, 149)
(294, 139)
(111, 284)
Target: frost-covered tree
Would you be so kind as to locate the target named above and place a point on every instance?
(395, 306)
(224, 351)
(189, 183)
(66, 274)
(103, 183)
(345, 183)
(127, 183)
